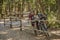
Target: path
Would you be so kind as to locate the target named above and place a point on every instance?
(15, 34)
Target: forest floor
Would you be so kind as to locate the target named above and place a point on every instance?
(7, 33)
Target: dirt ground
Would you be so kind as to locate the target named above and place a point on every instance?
(7, 33)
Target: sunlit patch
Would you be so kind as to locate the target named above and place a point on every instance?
(40, 37)
(15, 28)
(55, 39)
(7, 19)
(2, 32)
(56, 32)
(10, 39)
(53, 32)
(1, 22)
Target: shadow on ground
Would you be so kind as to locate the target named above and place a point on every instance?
(16, 34)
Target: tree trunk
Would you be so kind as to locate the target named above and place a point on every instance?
(1, 3)
(58, 14)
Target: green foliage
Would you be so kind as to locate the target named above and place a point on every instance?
(49, 7)
(51, 11)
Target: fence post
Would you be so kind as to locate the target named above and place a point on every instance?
(10, 23)
(4, 22)
(20, 25)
